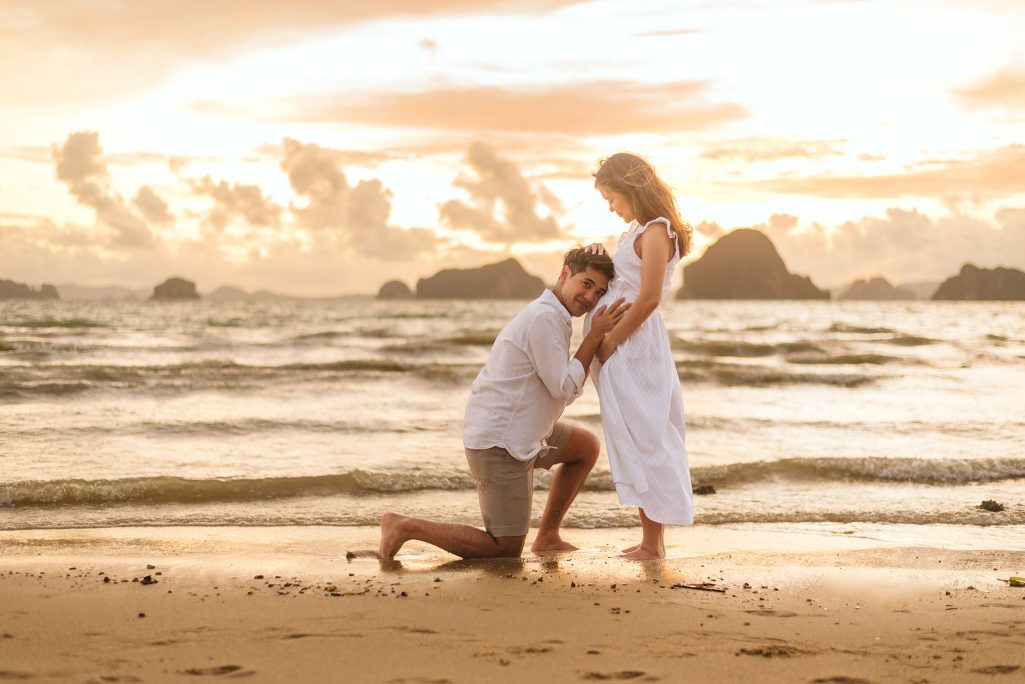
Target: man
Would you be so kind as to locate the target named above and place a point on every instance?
(512, 421)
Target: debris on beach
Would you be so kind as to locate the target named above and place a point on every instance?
(774, 651)
(701, 490)
(700, 586)
(148, 579)
(1015, 581)
(991, 505)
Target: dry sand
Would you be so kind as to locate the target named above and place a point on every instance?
(286, 605)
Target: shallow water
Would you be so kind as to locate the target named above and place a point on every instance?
(307, 413)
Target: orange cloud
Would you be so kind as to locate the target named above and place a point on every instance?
(81, 166)
(503, 204)
(668, 33)
(593, 108)
(347, 216)
(770, 149)
(233, 201)
(97, 50)
(904, 245)
(1005, 88)
(990, 173)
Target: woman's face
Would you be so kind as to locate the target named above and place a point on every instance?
(618, 203)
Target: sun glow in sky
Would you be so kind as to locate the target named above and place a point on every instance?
(325, 147)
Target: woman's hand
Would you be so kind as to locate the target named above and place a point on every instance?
(595, 248)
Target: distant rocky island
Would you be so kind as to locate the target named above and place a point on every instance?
(875, 289)
(504, 280)
(12, 290)
(394, 289)
(175, 289)
(230, 293)
(95, 293)
(744, 264)
(983, 284)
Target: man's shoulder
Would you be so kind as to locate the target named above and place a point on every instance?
(537, 308)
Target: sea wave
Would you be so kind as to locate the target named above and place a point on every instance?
(843, 359)
(169, 490)
(942, 471)
(858, 329)
(172, 490)
(740, 348)
(238, 427)
(756, 375)
(50, 380)
(71, 323)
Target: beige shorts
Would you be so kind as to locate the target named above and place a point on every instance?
(505, 485)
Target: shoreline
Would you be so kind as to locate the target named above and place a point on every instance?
(270, 604)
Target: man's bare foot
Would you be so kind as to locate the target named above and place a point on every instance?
(631, 549)
(641, 553)
(392, 537)
(551, 543)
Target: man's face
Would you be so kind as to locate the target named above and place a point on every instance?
(579, 293)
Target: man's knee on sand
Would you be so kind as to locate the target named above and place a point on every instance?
(509, 547)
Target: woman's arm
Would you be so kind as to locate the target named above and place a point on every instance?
(655, 248)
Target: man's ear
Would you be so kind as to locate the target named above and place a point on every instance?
(564, 274)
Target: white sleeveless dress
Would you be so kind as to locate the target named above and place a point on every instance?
(641, 404)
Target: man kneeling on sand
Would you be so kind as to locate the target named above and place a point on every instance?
(512, 421)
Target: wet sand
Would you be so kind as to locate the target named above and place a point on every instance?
(286, 604)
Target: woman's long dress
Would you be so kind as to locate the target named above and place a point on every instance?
(641, 404)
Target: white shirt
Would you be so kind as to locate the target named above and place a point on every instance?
(527, 382)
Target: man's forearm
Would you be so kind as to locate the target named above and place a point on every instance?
(585, 353)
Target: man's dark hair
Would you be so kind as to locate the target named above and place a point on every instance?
(578, 259)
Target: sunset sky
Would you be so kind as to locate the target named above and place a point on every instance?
(325, 147)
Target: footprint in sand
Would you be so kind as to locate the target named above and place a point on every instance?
(8, 674)
(997, 669)
(766, 612)
(623, 674)
(218, 671)
(772, 651)
(840, 679)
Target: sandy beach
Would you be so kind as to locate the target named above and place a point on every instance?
(287, 604)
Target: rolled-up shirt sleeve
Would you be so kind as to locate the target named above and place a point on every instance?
(548, 349)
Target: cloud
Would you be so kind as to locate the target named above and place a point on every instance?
(905, 245)
(353, 216)
(710, 230)
(990, 173)
(236, 201)
(503, 204)
(152, 206)
(42, 155)
(39, 251)
(592, 108)
(80, 165)
(94, 52)
(1004, 88)
(770, 149)
(668, 33)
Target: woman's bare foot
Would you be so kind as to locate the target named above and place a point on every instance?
(551, 543)
(641, 553)
(392, 537)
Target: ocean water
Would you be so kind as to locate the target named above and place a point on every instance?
(330, 413)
